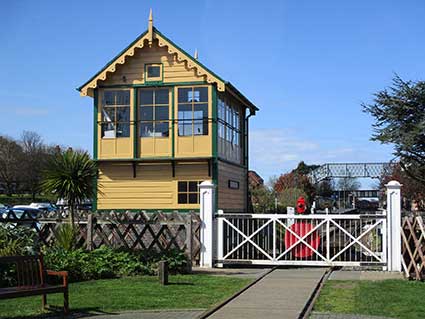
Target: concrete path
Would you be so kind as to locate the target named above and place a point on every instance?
(281, 294)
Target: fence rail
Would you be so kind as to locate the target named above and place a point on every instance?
(133, 231)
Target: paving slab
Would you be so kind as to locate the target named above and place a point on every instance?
(232, 272)
(282, 294)
(163, 314)
(364, 275)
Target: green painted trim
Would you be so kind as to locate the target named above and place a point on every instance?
(189, 57)
(215, 141)
(146, 75)
(149, 159)
(242, 97)
(135, 123)
(95, 125)
(173, 137)
(167, 210)
(151, 84)
(113, 59)
(214, 121)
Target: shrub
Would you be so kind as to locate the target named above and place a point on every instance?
(108, 263)
(17, 240)
(289, 196)
(177, 261)
(66, 237)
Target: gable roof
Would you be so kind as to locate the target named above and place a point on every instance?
(146, 38)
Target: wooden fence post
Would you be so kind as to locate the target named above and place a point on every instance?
(163, 272)
(188, 245)
(89, 239)
(394, 225)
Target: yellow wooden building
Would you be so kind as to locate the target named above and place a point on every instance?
(163, 122)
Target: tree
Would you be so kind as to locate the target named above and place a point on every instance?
(35, 159)
(345, 186)
(295, 180)
(11, 159)
(262, 199)
(71, 176)
(348, 184)
(304, 169)
(325, 188)
(399, 114)
(289, 196)
(413, 191)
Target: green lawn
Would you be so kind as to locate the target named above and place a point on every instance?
(391, 298)
(114, 295)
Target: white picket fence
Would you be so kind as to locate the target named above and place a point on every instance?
(309, 240)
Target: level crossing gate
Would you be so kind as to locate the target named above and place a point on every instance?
(305, 240)
(311, 240)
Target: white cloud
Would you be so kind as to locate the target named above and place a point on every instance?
(275, 151)
(272, 150)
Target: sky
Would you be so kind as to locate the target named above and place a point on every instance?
(308, 66)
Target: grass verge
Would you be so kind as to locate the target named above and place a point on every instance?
(132, 293)
(389, 298)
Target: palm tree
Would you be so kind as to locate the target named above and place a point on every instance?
(71, 175)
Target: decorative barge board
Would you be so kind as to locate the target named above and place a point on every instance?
(163, 123)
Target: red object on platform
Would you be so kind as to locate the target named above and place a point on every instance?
(302, 250)
(301, 205)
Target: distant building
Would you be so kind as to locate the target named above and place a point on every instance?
(255, 180)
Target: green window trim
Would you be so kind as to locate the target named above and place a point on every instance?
(115, 108)
(193, 108)
(154, 80)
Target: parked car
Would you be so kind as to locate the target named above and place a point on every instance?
(21, 211)
(85, 205)
(49, 207)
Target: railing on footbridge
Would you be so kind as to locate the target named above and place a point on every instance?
(350, 170)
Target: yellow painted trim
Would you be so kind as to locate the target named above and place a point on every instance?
(181, 56)
(87, 89)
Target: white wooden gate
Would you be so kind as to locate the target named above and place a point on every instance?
(319, 240)
(316, 240)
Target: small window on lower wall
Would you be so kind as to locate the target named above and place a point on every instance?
(233, 184)
(188, 192)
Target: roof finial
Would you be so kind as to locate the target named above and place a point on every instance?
(196, 54)
(150, 27)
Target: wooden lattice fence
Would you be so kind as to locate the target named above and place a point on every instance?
(413, 245)
(158, 232)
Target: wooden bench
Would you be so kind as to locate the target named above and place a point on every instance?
(31, 280)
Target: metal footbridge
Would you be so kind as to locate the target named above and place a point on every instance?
(350, 170)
